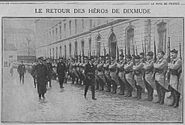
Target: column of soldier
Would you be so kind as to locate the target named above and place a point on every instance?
(136, 73)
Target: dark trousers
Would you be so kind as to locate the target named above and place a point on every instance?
(160, 92)
(92, 90)
(150, 90)
(21, 76)
(41, 95)
(114, 86)
(139, 91)
(122, 86)
(34, 82)
(176, 96)
(129, 89)
(100, 83)
(108, 81)
(61, 81)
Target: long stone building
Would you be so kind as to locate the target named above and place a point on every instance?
(68, 37)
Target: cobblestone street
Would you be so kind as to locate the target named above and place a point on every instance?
(20, 103)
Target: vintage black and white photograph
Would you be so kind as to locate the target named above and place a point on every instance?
(84, 69)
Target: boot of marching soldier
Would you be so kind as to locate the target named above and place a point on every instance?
(175, 69)
(138, 76)
(129, 80)
(148, 80)
(160, 68)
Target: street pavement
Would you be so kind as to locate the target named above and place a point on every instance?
(20, 103)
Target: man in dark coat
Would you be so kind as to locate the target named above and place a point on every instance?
(61, 71)
(21, 70)
(33, 73)
(50, 71)
(90, 78)
(42, 77)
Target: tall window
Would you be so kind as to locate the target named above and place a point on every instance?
(90, 23)
(98, 40)
(70, 49)
(65, 51)
(60, 51)
(53, 53)
(76, 26)
(56, 52)
(50, 52)
(70, 27)
(60, 31)
(65, 30)
(130, 41)
(90, 46)
(76, 48)
(82, 24)
(56, 32)
(162, 36)
(83, 47)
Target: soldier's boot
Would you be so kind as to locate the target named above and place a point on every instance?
(151, 94)
(86, 89)
(115, 88)
(130, 92)
(158, 93)
(177, 96)
(93, 92)
(162, 96)
(97, 84)
(174, 98)
(139, 92)
(108, 86)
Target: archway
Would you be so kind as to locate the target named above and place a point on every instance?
(112, 45)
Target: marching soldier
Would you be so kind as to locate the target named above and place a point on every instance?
(121, 74)
(90, 78)
(107, 74)
(100, 74)
(50, 70)
(138, 76)
(61, 71)
(175, 68)
(113, 74)
(149, 82)
(130, 83)
(42, 76)
(160, 68)
(21, 70)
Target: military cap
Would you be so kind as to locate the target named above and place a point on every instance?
(162, 52)
(174, 51)
(137, 57)
(128, 56)
(141, 54)
(40, 58)
(150, 53)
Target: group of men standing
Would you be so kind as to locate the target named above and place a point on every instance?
(137, 73)
(132, 74)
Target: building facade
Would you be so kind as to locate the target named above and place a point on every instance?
(69, 37)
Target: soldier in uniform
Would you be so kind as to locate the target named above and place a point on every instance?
(100, 74)
(160, 68)
(42, 76)
(113, 74)
(121, 75)
(61, 71)
(138, 76)
(175, 68)
(107, 74)
(21, 70)
(50, 70)
(130, 83)
(148, 80)
(90, 78)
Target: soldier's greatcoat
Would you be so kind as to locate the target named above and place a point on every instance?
(161, 67)
(138, 74)
(113, 72)
(129, 74)
(148, 67)
(42, 77)
(175, 66)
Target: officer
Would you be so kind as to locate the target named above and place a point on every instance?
(113, 74)
(138, 76)
(61, 71)
(50, 70)
(121, 74)
(160, 68)
(42, 76)
(148, 80)
(21, 70)
(90, 78)
(175, 68)
(130, 83)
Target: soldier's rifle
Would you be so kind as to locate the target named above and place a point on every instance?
(168, 60)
